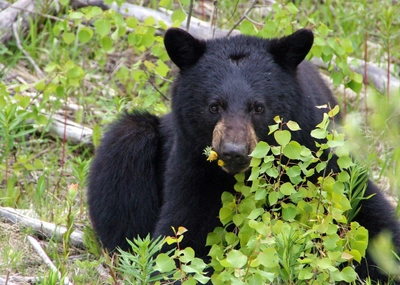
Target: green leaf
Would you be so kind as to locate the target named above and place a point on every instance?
(75, 15)
(103, 27)
(355, 86)
(248, 28)
(85, 34)
(272, 198)
(292, 8)
(319, 133)
(106, 43)
(344, 162)
(268, 258)
(282, 137)
(162, 68)
(293, 126)
(348, 274)
(343, 176)
(178, 16)
(334, 111)
(292, 150)
(337, 78)
(305, 273)
(150, 21)
(68, 38)
(24, 101)
(238, 219)
(131, 22)
(255, 213)
(261, 150)
(224, 213)
(187, 255)
(273, 128)
(189, 281)
(347, 45)
(236, 258)
(164, 263)
(75, 72)
(260, 194)
(323, 30)
(287, 189)
(166, 3)
(288, 212)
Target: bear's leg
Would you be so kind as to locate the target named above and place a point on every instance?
(125, 180)
(376, 214)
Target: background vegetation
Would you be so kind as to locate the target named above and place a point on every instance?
(96, 63)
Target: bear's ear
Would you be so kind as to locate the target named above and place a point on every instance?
(291, 50)
(183, 49)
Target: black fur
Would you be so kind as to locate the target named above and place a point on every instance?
(150, 174)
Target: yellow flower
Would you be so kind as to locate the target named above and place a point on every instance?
(212, 155)
(221, 162)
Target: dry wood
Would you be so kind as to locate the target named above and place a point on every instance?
(5, 281)
(198, 28)
(74, 133)
(23, 9)
(42, 228)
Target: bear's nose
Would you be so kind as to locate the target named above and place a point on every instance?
(234, 153)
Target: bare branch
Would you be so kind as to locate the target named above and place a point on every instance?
(27, 55)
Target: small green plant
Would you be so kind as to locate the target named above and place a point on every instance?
(144, 264)
(289, 222)
(138, 267)
(11, 259)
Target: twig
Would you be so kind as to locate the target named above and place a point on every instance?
(254, 22)
(254, 2)
(213, 17)
(46, 259)
(27, 55)
(159, 91)
(189, 15)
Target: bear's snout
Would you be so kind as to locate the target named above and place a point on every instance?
(234, 139)
(235, 157)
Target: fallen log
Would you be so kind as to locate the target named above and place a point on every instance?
(42, 228)
(73, 132)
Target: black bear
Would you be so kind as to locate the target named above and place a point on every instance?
(150, 173)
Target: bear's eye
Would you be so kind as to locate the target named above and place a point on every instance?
(214, 108)
(258, 109)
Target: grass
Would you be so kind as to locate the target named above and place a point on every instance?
(45, 174)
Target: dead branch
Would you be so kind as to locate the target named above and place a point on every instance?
(24, 9)
(27, 55)
(75, 133)
(42, 228)
(198, 28)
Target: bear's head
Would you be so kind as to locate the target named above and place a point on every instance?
(229, 90)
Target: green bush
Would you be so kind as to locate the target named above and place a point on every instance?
(289, 222)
